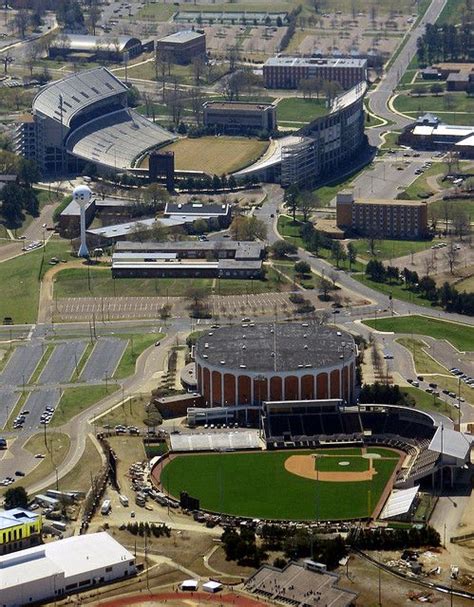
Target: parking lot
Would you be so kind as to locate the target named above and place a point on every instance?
(21, 365)
(62, 362)
(103, 360)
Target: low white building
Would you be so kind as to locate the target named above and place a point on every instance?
(71, 565)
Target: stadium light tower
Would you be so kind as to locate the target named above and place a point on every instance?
(82, 195)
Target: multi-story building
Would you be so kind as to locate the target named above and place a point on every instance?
(382, 218)
(239, 117)
(19, 529)
(287, 72)
(182, 47)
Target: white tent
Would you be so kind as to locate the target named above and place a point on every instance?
(212, 586)
(189, 585)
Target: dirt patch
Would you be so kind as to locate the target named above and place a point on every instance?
(303, 465)
(183, 598)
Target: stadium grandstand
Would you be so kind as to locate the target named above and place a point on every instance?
(428, 440)
(84, 118)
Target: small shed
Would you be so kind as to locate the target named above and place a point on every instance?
(189, 585)
(212, 586)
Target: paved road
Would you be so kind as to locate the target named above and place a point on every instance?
(62, 362)
(378, 98)
(8, 400)
(103, 360)
(21, 365)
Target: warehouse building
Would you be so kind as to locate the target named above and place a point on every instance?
(287, 72)
(253, 363)
(53, 570)
(182, 47)
(239, 117)
(382, 218)
(216, 215)
(19, 529)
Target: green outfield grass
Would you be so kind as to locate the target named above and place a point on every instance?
(300, 110)
(461, 336)
(257, 485)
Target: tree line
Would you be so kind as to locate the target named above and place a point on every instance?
(19, 197)
(445, 43)
(446, 296)
(385, 394)
(394, 539)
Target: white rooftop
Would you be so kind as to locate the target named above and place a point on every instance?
(399, 502)
(71, 556)
(16, 516)
(450, 442)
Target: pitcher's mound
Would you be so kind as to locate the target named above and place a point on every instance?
(303, 465)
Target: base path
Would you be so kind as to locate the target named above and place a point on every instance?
(303, 465)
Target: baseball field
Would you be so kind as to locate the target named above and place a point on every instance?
(332, 484)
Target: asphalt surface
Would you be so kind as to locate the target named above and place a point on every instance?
(8, 400)
(103, 360)
(62, 362)
(35, 404)
(21, 365)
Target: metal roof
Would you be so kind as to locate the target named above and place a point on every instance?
(276, 347)
(16, 516)
(333, 62)
(196, 208)
(452, 443)
(181, 37)
(78, 91)
(82, 42)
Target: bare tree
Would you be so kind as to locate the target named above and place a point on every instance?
(197, 67)
(461, 224)
(307, 202)
(452, 256)
(21, 21)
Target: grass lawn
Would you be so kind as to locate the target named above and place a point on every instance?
(216, 155)
(466, 285)
(20, 279)
(390, 249)
(428, 402)
(453, 205)
(290, 232)
(135, 346)
(327, 192)
(424, 363)
(452, 384)
(459, 335)
(79, 478)
(55, 450)
(257, 485)
(419, 188)
(434, 103)
(297, 109)
(390, 141)
(130, 413)
(75, 400)
(41, 364)
(74, 282)
(451, 12)
(397, 291)
(308, 281)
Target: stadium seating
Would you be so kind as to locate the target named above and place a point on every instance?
(117, 139)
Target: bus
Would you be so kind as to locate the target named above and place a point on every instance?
(106, 507)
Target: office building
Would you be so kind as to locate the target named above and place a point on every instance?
(238, 117)
(182, 47)
(19, 529)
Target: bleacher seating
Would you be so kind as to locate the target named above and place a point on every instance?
(117, 139)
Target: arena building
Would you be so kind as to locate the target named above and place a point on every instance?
(96, 48)
(253, 363)
(319, 148)
(287, 72)
(182, 47)
(84, 118)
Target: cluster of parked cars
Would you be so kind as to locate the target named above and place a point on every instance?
(464, 377)
(20, 419)
(121, 429)
(425, 166)
(36, 244)
(47, 415)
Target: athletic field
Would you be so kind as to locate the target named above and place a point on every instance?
(332, 484)
(215, 155)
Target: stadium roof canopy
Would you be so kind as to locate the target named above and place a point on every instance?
(78, 91)
(399, 502)
(117, 139)
(86, 43)
(452, 443)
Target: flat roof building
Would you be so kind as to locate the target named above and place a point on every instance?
(50, 571)
(382, 218)
(182, 47)
(287, 72)
(239, 117)
(19, 529)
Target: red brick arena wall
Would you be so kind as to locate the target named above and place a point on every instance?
(229, 389)
(276, 388)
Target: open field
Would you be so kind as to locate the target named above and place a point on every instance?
(466, 285)
(216, 155)
(20, 279)
(419, 188)
(424, 363)
(428, 402)
(130, 413)
(461, 336)
(452, 205)
(79, 478)
(390, 249)
(94, 282)
(397, 291)
(295, 109)
(75, 400)
(258, 485)
(461, 102)
(135, 346)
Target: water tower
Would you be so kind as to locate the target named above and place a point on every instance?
(82, 195)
